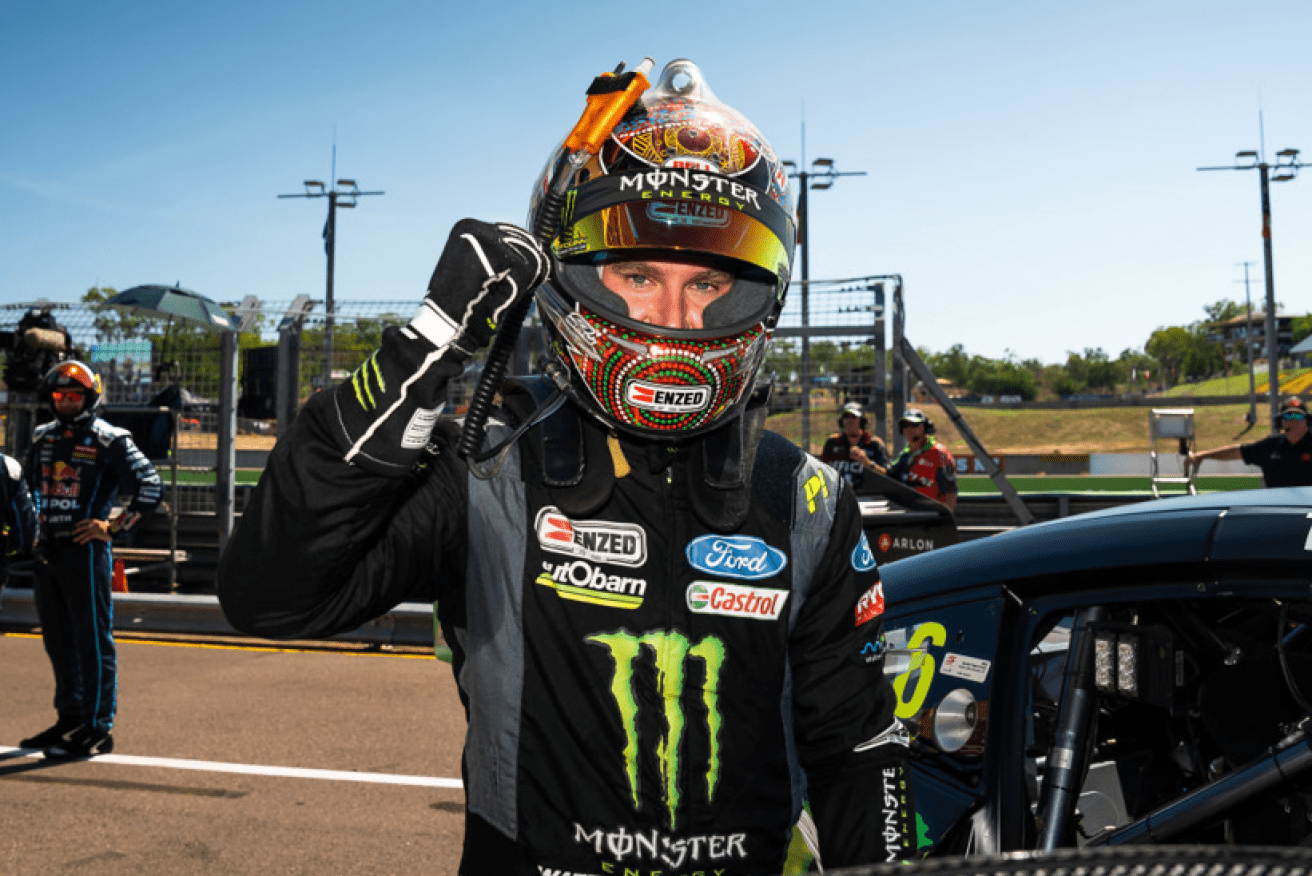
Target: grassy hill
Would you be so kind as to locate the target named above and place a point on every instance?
(1065, 432)
(1298, 380)
(1060, 432)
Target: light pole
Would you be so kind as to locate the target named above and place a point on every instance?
(820, 176)
(342, 194)
(1286, 166)
(1251, 417)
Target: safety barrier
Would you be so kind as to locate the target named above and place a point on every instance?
(410, 623)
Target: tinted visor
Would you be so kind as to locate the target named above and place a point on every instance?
(678, 210)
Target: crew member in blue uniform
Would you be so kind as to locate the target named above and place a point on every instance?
(77, 466)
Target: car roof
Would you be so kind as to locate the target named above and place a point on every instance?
(1236, 528)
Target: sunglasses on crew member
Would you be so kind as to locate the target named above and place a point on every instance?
(1293, 415)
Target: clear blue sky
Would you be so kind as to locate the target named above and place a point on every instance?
(1031, 166)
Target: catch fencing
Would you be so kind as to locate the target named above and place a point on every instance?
(829, 348)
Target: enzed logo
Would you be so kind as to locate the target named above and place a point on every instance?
(735, 556)
(689, 213)
(601, 541)
(735, 600)
(659, 661)
(664, 399)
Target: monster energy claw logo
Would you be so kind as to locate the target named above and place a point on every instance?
(364, 394)
(665, 654)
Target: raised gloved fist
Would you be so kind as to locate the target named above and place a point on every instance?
(482, 271)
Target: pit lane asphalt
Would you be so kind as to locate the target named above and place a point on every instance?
(382, 718)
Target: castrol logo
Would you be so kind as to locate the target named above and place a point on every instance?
(735, 600)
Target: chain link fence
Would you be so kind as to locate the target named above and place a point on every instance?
(832, 353)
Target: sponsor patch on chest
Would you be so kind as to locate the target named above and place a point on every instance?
(602, 541)
(735, 556)
(736, 600)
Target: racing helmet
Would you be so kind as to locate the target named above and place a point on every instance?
(72, 375)
(681, 177)
(915, 417)
(853, 409)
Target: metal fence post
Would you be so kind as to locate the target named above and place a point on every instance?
(899, 368)
(288, 377)
(879, 396)
(225, 489)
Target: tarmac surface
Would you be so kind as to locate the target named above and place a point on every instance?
(239, 756)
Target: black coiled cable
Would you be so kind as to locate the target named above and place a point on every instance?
(503, 345)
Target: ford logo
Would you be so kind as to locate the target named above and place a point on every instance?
(735, 556)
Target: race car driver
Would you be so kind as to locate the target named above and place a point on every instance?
(77, 466)
(665, 622)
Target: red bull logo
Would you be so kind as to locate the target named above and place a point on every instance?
(62, 472)
(62, 479)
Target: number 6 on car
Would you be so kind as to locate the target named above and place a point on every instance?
(922, 665)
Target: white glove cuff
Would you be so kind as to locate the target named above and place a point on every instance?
(433, 325)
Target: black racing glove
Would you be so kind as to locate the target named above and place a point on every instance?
(482, 271)
(389, 406)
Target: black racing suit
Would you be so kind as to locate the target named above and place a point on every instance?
(660, 655)
(76, 472)
(17, 515)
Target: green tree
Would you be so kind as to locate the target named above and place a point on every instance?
(1002, 377)
(1223, 310)
(1136, 367)
(954, 365)
(1302, 327)
(1170, 347)
(111, 324)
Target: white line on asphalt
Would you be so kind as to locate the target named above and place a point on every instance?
(208, 766)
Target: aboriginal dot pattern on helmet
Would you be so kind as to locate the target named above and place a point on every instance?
(687, 133)
(678, 364)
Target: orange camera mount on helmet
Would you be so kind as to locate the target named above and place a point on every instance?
(610, 96)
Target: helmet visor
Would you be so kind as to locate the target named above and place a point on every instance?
(678, 210)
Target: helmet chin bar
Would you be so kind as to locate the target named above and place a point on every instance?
(651, 385)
